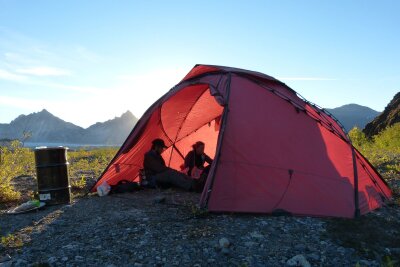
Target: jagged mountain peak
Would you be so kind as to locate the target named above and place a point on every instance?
(128, 114)
(47, 128)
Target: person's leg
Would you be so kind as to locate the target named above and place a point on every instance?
(175, 178)
(148, 182)
(206, 170)
(201, 182)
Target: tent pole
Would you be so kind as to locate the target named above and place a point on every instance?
(356, 199)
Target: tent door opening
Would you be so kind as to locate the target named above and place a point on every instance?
(190, 116)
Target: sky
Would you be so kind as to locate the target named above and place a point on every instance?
(89, 61)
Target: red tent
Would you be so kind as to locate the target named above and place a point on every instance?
(274, 151)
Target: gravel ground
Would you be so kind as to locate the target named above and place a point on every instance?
(165, 228)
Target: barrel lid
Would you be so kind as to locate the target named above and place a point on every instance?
(51, 148)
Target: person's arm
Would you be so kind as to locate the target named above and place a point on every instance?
(208, 159)
(189, 160)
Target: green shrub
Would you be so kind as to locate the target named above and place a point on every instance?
(14, 161)
(383, 150)
(11, 241)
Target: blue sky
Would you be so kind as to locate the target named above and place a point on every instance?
(88, 61)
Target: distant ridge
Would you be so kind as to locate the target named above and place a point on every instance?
(47, 128)
(352, 115)
(388, 117)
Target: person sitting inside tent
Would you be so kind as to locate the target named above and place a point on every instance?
(157, 173)
(195, 160)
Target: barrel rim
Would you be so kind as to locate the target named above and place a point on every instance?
(40, 148)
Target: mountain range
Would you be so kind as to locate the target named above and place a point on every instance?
(44, 127)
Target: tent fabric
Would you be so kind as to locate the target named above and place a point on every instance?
(274, 151)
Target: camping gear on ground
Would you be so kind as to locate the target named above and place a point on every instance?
(26, 207)
(52, 175)
(125, 186)
(273, 150)
(103, 189)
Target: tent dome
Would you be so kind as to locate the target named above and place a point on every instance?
(273, 150)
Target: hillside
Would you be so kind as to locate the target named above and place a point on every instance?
(352, 115)
(47, 128)
(113, 131)
(388, 117)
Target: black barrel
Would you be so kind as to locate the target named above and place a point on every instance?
(52, 175)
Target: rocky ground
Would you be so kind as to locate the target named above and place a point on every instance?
(165, 228)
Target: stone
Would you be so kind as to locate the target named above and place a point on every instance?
(159, 199)
(5, 258)
(79, 258)
(64, 259)
(250, 244)
(256, 235)
(224, 242)
(300, 247)
(314, 256)
(20, 262)
(298, 260)
(225, 251)
(368, 263)
(70, 246)
(6, 264)
(137, 264)
(52, 260)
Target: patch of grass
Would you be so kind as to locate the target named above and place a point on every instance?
(79, 184)
(388, 262)
(14, 161)
(198, 212)
(8, 192)
(11, 241)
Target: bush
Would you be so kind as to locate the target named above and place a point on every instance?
(14, 161)
(383, 150)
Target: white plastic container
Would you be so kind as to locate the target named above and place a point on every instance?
(103, 189)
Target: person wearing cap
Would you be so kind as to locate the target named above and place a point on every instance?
(157, 171)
